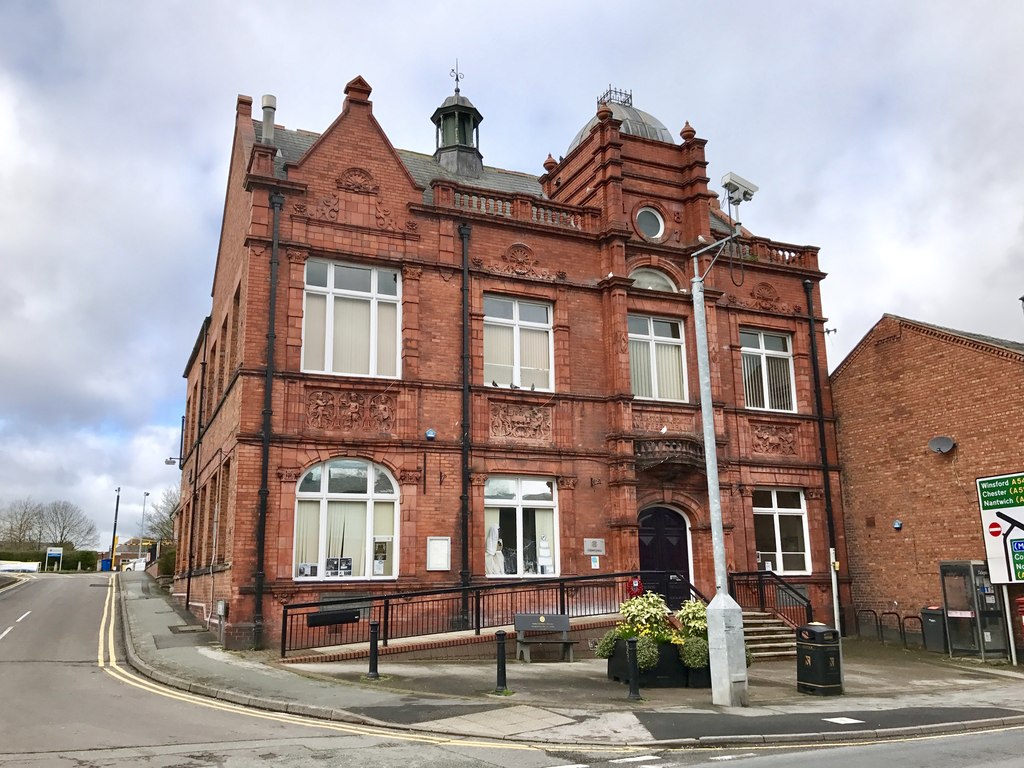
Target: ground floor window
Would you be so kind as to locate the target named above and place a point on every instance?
(346, 522)
(780, 531)
(520, 527)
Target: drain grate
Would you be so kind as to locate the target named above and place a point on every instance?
(187, 628)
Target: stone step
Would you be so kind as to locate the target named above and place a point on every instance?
(773, 655)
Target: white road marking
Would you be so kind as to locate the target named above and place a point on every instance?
(734, 757)
(573, 765)
(23, 616)
(841, 720)
(641, 759)
(5, 632)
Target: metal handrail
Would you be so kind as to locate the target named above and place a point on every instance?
(769, 592)
(437, 611)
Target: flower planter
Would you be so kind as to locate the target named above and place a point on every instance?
(669, 672)
(700, 677)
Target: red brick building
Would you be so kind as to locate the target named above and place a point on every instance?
(904, 384)
(381, 276)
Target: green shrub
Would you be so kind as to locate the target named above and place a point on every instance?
(165, 567)
(646, 647)
(695, 653)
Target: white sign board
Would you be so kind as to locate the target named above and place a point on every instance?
(55, 551)
(1001, 499)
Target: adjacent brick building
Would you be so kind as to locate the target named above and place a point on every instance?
(381, 275)
(908, 505)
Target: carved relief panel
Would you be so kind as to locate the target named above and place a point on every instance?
(521, 422)
(350, 411)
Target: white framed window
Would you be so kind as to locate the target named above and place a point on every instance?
(657, 358)
(649, 223)
(346, 522)
(780, 531)
(518, 343)
(767, 370)
(652, 280)
(520, 527)
(351, 320)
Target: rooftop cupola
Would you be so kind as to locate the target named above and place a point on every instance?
(458, 134)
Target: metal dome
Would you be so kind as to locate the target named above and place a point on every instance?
(635, 122)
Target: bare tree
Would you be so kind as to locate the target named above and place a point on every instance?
(161, 524)
(65, 523)
(20, 524)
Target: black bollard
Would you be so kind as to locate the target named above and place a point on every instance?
(374, 632)
(634, 669)
(501, 687)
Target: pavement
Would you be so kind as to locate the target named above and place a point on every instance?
(888, 692)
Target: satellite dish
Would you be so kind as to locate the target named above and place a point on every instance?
(941, 444)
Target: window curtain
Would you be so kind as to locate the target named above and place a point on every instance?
(346, 533)
(387, 339)
(779, 390)
(535, 361)
(640, 368)
(498, 354)
(351, 336)
(753, 386)
(307, 533)
(670, 371)
(314, 326)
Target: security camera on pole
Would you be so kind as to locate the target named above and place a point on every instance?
(725, 617)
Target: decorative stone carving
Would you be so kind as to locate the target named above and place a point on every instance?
(478, 478)
(745, 490)
(765, 298)
(521, 422)
(289, 474)
(300, 208)
(410, 476)
(296, 256)
(327, 209)
(815, 493)
(654, 422)
(520, 260)
(477, 261)
(774, 439)
(384, 218)
(357, 180)
(350, 411)
(320, 409)
(411, 225)
(566, 483)
(623, 342)
(412, 273)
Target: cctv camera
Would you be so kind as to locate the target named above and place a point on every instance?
(740, 190)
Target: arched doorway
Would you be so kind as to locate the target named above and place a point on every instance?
(664, 541)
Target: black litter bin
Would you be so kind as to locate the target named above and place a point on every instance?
(933, 627)
(817, 661)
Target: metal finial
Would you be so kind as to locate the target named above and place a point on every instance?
(457, 75)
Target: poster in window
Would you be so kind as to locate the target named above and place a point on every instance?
(344, 566)
(333, 567)
(380, 550)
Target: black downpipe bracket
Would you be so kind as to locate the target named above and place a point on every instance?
(822, 445)
(464, 232)
(276, 203)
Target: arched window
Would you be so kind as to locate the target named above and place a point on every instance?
(346, 522)
(652, 280)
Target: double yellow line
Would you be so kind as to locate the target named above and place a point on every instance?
(106, 659)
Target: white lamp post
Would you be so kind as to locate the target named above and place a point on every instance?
(725, 617)
(142, 532)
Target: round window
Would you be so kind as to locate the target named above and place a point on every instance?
(649, 223)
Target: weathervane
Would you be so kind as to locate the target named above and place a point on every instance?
(457, 75)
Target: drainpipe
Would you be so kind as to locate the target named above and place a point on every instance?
(200, 431)
(276, 203)
(823, 446)
(464, 232)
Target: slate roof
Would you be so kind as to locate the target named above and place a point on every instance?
(1012, 346)
(292, 145)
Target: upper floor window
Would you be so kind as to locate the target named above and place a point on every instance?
(780, 531)
(652, 280)
(346, 522)
(520, 527)
(350, 321)
(767, 370)
(518, 349)
(657, 360)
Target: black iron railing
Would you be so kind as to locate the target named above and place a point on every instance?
(766, 591)
(345, 619)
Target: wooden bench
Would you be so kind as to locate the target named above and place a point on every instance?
(537, 629)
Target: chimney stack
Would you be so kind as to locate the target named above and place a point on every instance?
(269, 108)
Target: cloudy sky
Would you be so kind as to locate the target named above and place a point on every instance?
(888, 134)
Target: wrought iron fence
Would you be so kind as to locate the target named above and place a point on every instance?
(766, 591)
(345, 619)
